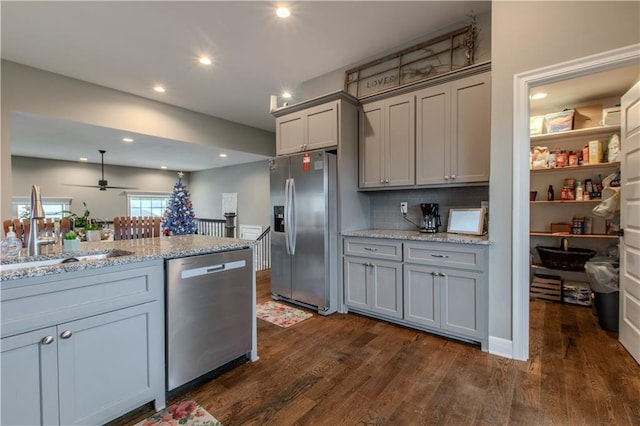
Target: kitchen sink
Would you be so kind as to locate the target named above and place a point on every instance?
(64, 260)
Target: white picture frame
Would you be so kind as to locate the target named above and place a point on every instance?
(466, 221)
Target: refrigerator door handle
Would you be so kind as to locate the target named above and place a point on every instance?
(293, 222)
(287, 208)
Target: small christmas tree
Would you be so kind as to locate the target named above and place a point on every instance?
(179, 218)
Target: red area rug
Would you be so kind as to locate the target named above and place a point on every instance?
(183, 413)
(280, 314)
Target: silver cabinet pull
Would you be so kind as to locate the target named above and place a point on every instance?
(66, 334)
(446, 177)
(47, 340)
(381, 180)
(371, 249)
(443, 256)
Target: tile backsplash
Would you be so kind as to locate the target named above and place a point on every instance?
(385, 205)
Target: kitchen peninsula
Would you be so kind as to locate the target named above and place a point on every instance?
(84, 342)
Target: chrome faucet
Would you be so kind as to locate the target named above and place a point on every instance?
(37, 213)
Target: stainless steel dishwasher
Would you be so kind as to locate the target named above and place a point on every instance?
(209, 313)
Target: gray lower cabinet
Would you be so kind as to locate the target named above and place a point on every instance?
(438, 287)
(448, 299)
(373, 285)
(106, 359)
(373, 276)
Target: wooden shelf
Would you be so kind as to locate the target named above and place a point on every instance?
(578, 168)
(549, 234)
(594, 201)
(590, 131)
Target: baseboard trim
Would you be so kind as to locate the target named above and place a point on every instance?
(501, 347)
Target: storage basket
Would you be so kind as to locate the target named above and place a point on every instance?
(557, 258)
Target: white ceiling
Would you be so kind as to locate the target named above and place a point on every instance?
(131, 46)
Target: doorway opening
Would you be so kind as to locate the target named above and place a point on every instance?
(524, 83)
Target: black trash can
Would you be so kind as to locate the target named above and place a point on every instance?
(607, 307)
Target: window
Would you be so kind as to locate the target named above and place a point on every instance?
(147, 204)
(53, 207)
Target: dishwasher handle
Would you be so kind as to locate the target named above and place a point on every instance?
(212, 269)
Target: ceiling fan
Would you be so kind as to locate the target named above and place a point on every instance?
(102, 183)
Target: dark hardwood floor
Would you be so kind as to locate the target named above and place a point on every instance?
(349, 369)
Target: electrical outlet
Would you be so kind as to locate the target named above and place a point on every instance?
(403, 207)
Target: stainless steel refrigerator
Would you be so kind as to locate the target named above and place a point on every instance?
(304, 252)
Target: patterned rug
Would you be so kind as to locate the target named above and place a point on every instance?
(182, 413)
(280, 314)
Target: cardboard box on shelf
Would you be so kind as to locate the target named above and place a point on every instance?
(587, 116)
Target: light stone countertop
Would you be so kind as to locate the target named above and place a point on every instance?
(440, 237)
(138, 250)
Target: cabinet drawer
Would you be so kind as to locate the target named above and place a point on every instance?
(447, 255)
(61, 298)
(373, 248)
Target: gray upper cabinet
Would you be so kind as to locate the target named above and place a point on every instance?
(387, 143)
(453, 132)
(312, 128)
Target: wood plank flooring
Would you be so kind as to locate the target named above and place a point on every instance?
(349, 369)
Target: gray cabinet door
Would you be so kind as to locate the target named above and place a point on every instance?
(30, 378)
(433, 135)
(400, 142)
(373, 285)
(289, 133)
(386, 288)
(321, 129)
(471, 128)
(463, 302)
(371, 145)
(108, 363)
(356, 276)
(421, 295)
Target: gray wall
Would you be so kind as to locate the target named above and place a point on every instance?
(52, 175)
(251, 183)
(43, 93)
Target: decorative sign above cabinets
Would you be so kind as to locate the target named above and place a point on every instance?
(446, 53)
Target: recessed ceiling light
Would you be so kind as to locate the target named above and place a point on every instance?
(84, 159)
(286, 95)
(283, 12)
(127, 140)
(159, 89)
(539, 96)
(223, 155)
(205, 61)
(163, 167)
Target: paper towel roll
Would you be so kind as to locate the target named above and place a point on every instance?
(274, 103)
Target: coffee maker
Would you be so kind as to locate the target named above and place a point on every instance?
(430, 218)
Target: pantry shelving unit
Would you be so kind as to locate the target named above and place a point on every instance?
(544, 212)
